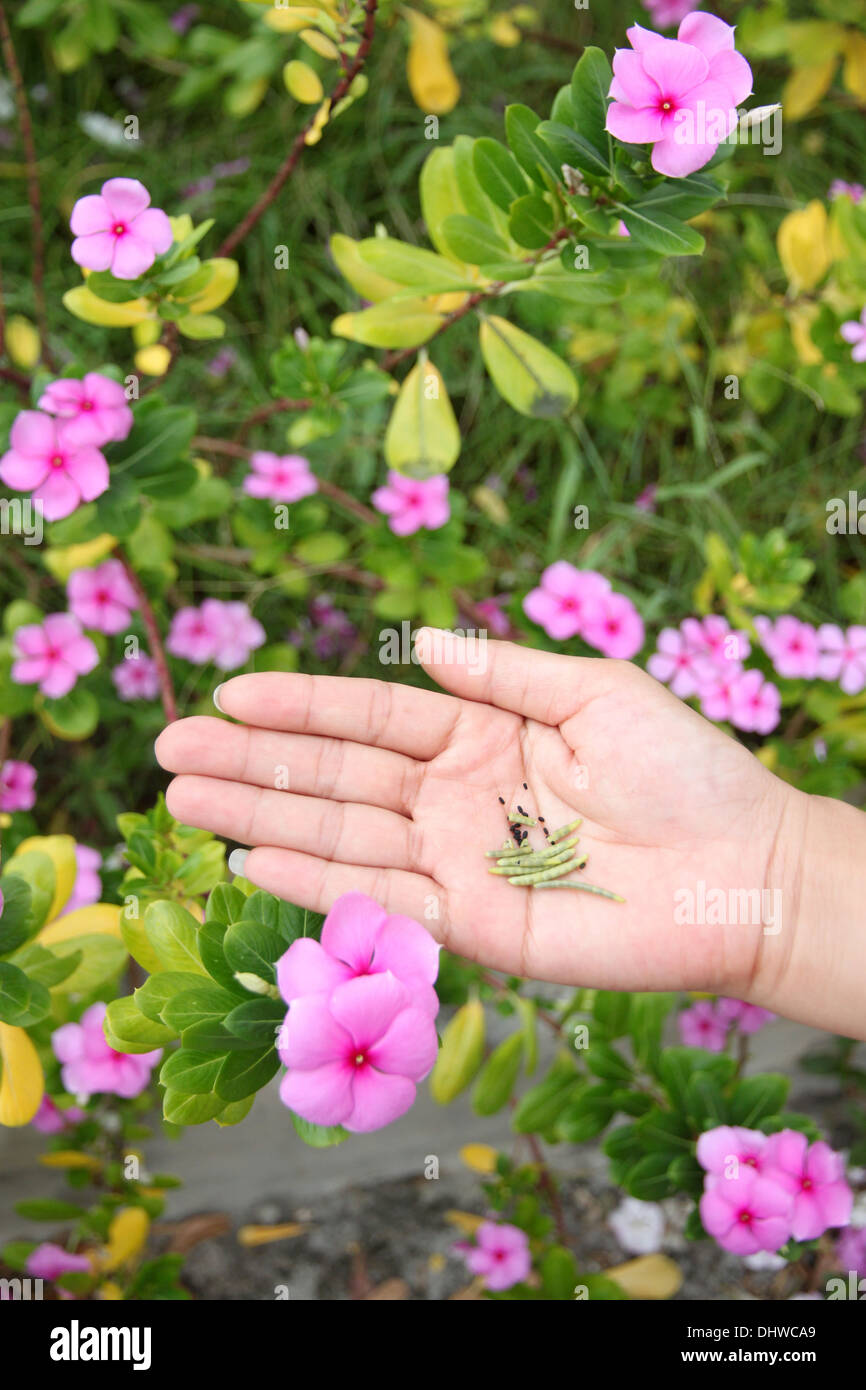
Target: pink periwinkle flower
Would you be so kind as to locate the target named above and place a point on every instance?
(721, 1151)
(360, 938)
(17, 786)
(748, 1018)
(102, 598)
(666, 13)
(117, 230)
(413, 504)
(840, 189)
(814, 1176)
(491, 610)
(43, 460)
(754, 703)
(714, 637)
(224, 633)
(280, 477)
(700, 1026)
(500, 1254)
(52, 655)
(677, 663)
(615, 627)
(851, 1250)
(87, 888)
(746, 1211)
(854, 332)
(791, 645)
(843, 656)
(94, 409)
(136, 678)
(50, 1119)
(680, 95)
(565, 600)
(50, 1261)
(355, 1055)
(90, 1066)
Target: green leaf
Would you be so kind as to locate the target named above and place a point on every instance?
(531, 378)
(423, 438)
(682, 198)
(539, 1107)
(604, 1061)
(756, 1097)
(648, 1013)
(98, 958)
(211, 1035)
(591, 1110)
(73, 718)
(43, 966)
(173, 935)
(14, 923)
(660, 232)
(319, 1136)
(531, 152)
(202, 327)
(160, 436)
(472, 195)
(48, 1209)
(531, 221)
(253, 949)
(225, 904)
(498, 172)
(127, 1029)
(411, 265)
(243, 1073)
(23, 1002)
(473, 241)
(37, 871)
(191, 1073)
(201, 1003)
(152, 997)
(210, 940)
(610, 1008)
(558, 1273)
(567, 146)
(590, 84)
(257, 1020)
(649, 1179)
(180, 1109)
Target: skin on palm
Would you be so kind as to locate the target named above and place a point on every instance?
(393, 791)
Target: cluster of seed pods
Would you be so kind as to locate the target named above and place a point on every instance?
(546, 868)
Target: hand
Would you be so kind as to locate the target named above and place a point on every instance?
(394, 791)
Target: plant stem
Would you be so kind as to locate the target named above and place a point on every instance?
(266, 411)
(157, 650)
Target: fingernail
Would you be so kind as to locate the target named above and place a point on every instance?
(216, 698)
(237, 860)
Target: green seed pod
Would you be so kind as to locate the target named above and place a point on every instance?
(542, 875)
(461, 1053)
(566, 830)
(518, 819)
(498, 1075)
(583, 887)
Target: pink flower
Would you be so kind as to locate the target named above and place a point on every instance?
(792, 646)
(17, 786)
(666, 13)
(413, 503)
(646, 500)
(280, 478)
(224, 633)
(49, 1261)
(91, 1067)
(118, 230)
(713, 637)
(680, 95)
(615, 627)
(94, 410)
(840, 189)
(843, 656)
(815, 1178)
(748, 1018)
(136, 678)
(354, 1055)
(723, 1149)
(359, 938)
(565, 600)
(715, 692)
(677, 663)
(50, 1119)
(53, 656)
(746, 1211)
(854, 332)
(500, 1256)
(43, 460)
(700, 1026)
(88, 885)
(754, 703)
(491, 610)
(851, 1250)
(102, 598)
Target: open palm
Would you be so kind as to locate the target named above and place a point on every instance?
(355, 785)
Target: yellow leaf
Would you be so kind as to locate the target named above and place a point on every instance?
(153, 361)
(491, 504)
(803, 243)
(22, 342)
(531, 378)
(323, 115)
(21, 1081)
(854, 65)
(649, 1276)
(182, 226)
(109, 1292)
(87, 306)
(800, 319)
(504, 31)
(406, 323)
(147, 332)
(70, 1158)
(99, 919)
(432, 83)
(465, 1221)
(319, 43)
(264, 1235)
(302, 82)
(60, 561)
(290, 21)
(805, 88)
(224, 278)
(369, 284)
(423, 437)
(61, 851)
(481, 1158)
(127, 1235)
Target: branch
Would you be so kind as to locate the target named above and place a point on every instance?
(33, 194)
(266, 411)
(157, 650)
(286, 169)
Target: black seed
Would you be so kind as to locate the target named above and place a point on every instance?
(502, 800)
(541, 820)
(547, 832)
(525, 788)
(521, 811)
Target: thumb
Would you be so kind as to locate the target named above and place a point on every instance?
(538, 685)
